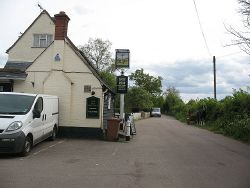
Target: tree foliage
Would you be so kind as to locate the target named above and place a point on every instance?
(138, 99)
(158, 101)
(99, 54)
(146, 92)
(230, 116)
(173, 104)
(242, 37)
(147, 82)
(109, 79)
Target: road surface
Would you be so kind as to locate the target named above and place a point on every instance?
(164, 153)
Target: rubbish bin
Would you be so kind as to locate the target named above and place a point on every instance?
(112, 129)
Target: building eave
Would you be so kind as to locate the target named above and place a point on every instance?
(13, 75)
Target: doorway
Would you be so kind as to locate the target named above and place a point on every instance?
(6, 87)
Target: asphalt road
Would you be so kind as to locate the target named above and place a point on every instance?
(164, 153)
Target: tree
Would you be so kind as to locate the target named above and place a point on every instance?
(138, 99)
(158, 101)
(98, 52)
(145, 81)
(109, 78)
(173, 103)
(146, 93)
(242, 38)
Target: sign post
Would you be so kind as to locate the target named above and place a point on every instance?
(122, 88)
(122, 62)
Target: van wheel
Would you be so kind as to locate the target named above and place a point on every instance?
(27, 146)
(53, 136)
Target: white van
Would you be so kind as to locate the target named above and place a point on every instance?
(25, 120)
(156, 112)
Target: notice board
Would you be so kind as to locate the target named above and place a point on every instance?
(93, 107)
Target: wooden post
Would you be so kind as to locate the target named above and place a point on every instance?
(214, 62)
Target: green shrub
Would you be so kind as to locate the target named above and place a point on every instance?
(230, 116)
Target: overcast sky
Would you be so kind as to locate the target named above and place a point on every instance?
(164, 37)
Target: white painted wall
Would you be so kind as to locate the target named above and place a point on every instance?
(67, 84)
(79, 98)
(23, 49)
(57, 84)
(65, 78)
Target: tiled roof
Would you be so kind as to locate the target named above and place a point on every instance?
(14, 70)
(17, 65)
(13, 75)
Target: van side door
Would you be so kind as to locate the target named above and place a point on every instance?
(49, 120)
(38, 120)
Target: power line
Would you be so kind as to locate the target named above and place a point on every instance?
(202, 32)
(230, 54)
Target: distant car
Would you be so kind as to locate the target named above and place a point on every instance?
(156, 112)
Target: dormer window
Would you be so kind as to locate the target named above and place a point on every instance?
(42, 40)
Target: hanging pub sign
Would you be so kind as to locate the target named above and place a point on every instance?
(122, 58)
(92, 107)
(122, 84)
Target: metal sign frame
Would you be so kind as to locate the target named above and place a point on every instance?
(122, 58)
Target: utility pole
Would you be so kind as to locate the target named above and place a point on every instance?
(214, 62)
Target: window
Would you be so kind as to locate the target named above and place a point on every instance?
(42, 40)
(15, 104)
(1, 88)
(87, 88)
(39, 105)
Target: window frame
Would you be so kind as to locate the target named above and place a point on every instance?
(87, 88)
(38, 100)
(42, 40)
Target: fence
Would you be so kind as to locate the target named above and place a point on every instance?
(141, 115)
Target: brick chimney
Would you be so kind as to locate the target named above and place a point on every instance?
(61, 28)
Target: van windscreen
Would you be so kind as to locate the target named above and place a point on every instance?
(156, 110)
(15, 104)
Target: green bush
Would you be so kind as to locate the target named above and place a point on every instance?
(230, 116)
(238, 128)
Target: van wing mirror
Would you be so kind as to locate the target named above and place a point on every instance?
(36, 114)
